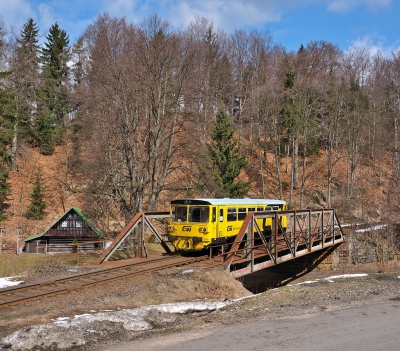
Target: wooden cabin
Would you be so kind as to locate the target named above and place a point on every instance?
(71, 232)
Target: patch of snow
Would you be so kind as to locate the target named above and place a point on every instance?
(331, 279)
(307, 282)
(6, 282)
(347, 276)
(188, 271)
(377, 227)
(60, 320)
(82, 315)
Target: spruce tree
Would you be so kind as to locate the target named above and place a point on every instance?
(227, 159)
(5, 136)
(7, 113)
(25, 83)
(53, 102)
(55, 56)
(28, 46)
(36, 210)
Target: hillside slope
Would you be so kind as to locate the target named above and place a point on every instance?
(374, 200)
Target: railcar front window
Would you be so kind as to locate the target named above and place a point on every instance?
(199, 214)
(180, 214)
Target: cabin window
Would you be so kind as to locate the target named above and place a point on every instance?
(64, 224)
(232, 214)
(242, 213)
(78, 224)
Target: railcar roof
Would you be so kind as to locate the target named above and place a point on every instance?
(226, 201)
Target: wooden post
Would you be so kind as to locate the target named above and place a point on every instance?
(1, 239)
(17, 230)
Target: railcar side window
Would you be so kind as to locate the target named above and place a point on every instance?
(251, 209)
(242, 213)
(260, 208)
(268, 208)
(221, 215)
(232, 214)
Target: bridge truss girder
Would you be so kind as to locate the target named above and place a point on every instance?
(136, 228)
(306, 231)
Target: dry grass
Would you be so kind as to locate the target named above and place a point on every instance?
(13, 265)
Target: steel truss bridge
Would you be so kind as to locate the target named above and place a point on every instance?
(306, 231)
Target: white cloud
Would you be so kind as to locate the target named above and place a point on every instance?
(120, 7)
(375, 45)
(347, 5)
(226, 15)
(46, 16)
(16, 12)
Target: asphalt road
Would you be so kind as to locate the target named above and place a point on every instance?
(375, 327)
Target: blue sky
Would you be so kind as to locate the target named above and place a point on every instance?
(346, 23)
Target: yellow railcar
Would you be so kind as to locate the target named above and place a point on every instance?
(196, 224)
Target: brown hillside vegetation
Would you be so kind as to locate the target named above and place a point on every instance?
(374, 201)
(61, 193)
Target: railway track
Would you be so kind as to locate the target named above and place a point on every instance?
(19, 294)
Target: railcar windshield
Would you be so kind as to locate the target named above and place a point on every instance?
(190, 213)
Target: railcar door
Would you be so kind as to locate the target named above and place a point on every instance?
(214, 223)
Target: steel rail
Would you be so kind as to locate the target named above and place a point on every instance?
(9, 296)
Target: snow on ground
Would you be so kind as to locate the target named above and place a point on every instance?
(332, 279)
(377, 227)
(9, 281)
